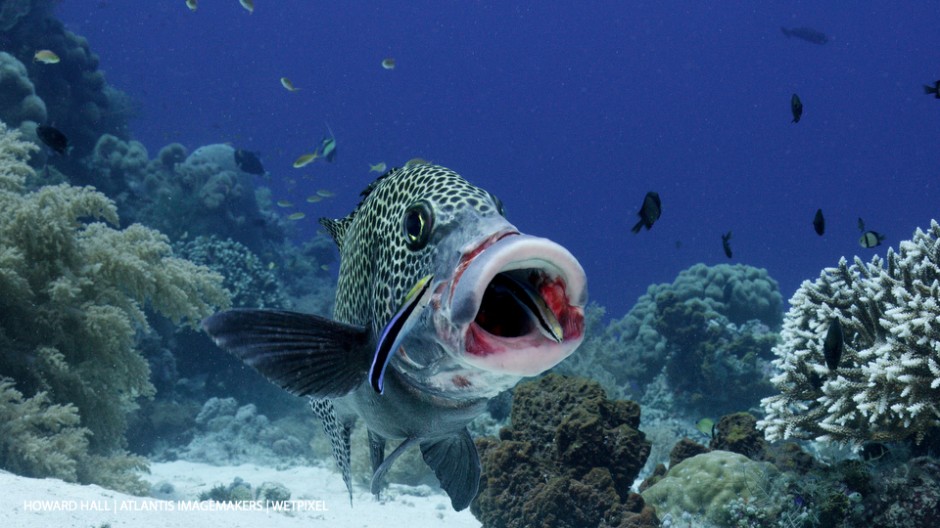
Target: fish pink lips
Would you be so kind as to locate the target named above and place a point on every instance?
(499, 334)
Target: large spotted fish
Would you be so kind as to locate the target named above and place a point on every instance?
(441, 304)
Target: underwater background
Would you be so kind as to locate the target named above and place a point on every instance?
(570, 114)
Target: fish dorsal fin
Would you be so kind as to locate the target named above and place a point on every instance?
(337, 228)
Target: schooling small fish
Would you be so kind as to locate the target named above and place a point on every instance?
(388, 63)
(288, 85)
(46, 57)
(796, 107)
(807, 34)
(935, 89)
(249, 162)
(249, 5)
(192, 5)
(833, 345)
(870, 239)
(819, 223)
(328, 146)
(726, 243)
(296, 216)
(306, 159)
(649, 212)
(378, 167)
(53, 138)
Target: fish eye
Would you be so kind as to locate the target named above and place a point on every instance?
(417, 224)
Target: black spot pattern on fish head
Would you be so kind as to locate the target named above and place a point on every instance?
(377, 267)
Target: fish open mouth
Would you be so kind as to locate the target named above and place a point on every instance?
(518, 302)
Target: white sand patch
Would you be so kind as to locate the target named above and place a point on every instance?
(318, 498)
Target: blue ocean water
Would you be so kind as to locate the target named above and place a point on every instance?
(570, 114)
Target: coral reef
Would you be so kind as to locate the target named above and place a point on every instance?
(78, 99)
(184, 196)
(228, 434)
(710, 330)
(886, 387)
(909, 496)
(568, 460)
(73, 294)
(738, 433)
(707, 484)
(39, 439)
(18, 100)
(251, 282)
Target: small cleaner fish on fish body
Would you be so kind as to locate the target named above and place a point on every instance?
(441, 304)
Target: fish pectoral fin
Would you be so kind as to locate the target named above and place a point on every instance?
(305, 354)
(456, 464)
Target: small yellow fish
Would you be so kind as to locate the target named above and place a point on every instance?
(289, 86)
(46, 57)
(314, 199)
(706, 426)
(306, 159)
(325, 267)
(284, 203)
(378, 167)
(325, 193)
(191, 4)
(388, 63)
(248, 4)
(296, 216)
(416, 161)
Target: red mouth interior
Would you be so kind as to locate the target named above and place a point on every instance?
(503, 316)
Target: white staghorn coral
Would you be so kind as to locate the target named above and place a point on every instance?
(887, 384)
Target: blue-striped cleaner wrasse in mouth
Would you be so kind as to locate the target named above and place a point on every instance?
(441, 304)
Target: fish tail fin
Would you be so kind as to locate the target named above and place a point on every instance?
(304, 354)
(637, 227)
(456, 464)
(338, 432)
(929, 89)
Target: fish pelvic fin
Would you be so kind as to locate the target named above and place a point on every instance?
(304, 354)
(456, 464)
(378, 476)
(338, 432)
(638, 226)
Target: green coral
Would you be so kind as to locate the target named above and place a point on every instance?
(707, 484)
(886, 386)
(73, 294)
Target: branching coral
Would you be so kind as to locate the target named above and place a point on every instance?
(887, 384)
(73, 295)
(39, 439)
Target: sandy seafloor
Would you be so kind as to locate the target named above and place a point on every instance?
(318, 494)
